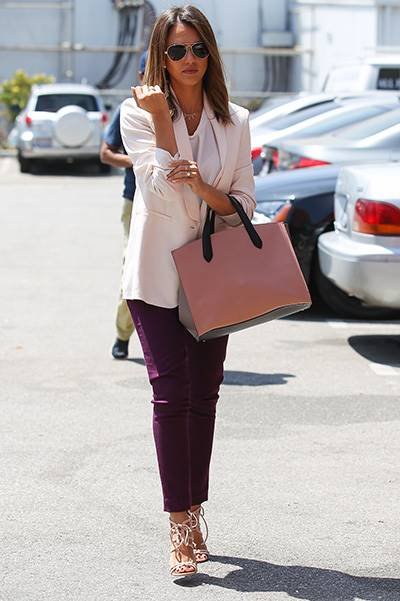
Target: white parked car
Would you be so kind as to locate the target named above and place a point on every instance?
(380, 72)
(362, 255)
(61, 121)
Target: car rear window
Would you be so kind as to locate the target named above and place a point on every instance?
(54, 102)
(389, 79)
(370, 127)
(303, 114)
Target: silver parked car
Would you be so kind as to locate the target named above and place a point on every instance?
(362, 255)
(376, 139)
(304, 106)
(332, 121)
(60, 121)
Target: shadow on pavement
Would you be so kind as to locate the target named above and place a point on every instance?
(249, 378)
(299, 582)
(320, 312)
(137, 360)
(76, 169)
(241, 378)
(378, 349)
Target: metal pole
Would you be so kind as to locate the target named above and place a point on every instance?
(70, 73)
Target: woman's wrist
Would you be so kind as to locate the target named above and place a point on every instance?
(203, 191)
(162, 116)
(217, 200)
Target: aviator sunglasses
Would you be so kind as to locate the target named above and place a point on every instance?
(177, 52)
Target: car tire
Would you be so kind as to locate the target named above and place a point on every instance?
(343, 304)
(25, 165)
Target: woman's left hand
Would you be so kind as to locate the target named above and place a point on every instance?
(186, 172)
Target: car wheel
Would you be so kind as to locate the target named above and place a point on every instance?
(343, 304)
(25, 165)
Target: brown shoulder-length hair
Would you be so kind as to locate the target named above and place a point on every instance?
(214, 79)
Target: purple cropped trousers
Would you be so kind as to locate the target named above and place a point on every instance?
(185, 376)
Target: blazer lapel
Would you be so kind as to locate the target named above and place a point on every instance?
(220, 180)
(220, 136)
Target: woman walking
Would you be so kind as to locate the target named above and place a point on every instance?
(190, 148)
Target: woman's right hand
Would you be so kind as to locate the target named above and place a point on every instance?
(150, 99)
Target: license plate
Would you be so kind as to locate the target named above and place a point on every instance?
(42, 142)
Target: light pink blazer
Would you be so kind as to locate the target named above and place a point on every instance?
(166, 216)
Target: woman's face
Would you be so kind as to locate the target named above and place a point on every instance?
(190, 70)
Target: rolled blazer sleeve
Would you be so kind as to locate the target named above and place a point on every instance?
(243, 187)
(150, 163)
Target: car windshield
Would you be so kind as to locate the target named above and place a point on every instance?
(343, 119)
(54, 102)
(370, 127)
(303, 114)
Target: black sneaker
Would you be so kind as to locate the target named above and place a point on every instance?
(120, 349)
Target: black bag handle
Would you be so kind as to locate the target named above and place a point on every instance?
(209, 228)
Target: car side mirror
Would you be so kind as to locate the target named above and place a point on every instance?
(108, 106)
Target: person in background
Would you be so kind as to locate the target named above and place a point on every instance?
(112, 152)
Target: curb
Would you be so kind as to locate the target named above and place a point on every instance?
(7, 153)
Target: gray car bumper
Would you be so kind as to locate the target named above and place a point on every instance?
(370, 272)
(89, 152)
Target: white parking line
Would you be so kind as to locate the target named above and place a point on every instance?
(384, 370)
(366, 325)
(337, 323)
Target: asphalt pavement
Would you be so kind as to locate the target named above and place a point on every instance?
(305, 475)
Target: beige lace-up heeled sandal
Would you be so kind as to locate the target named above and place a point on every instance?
(200, 550)
(181, 535)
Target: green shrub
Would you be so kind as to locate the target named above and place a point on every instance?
(14, 92)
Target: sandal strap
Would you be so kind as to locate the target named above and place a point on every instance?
(180, 534)
(195, 520)
(182, 564)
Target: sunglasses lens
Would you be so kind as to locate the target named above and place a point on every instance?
(200, 50)
(176, 52)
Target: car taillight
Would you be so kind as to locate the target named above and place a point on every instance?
(104, 118)
(306, 162)
(256, 152)
(378, 218)
(275, 158)
(28, 120)
(288, 160)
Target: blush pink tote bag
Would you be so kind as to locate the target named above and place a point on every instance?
(237, 278)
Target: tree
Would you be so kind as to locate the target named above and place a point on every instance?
(14, 92)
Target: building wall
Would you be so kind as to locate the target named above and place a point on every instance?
(30, 26)
(337, 33)
(389, 23)
(237, 24)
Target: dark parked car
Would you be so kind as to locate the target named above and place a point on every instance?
(304, 199)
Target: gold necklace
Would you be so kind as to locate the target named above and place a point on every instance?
(190, 116)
